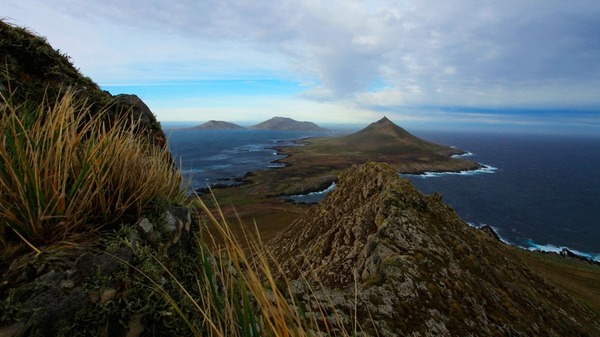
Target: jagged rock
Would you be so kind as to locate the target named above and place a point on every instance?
(566, 253)
(410, 266)
(490, 231)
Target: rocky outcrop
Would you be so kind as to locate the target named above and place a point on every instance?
(104, 290)
(137, 111)
(378, 253)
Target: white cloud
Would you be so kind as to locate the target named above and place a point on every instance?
(441, 53)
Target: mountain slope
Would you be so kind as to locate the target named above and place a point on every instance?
(420, 269)
(31, 71)
(218, 125)
(284, 123)
(384, 136)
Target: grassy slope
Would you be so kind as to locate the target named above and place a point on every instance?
(578, 279)
(312, 168)
(47, 160)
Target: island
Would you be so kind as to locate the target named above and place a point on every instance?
(97, 237)
(288, 124)
(218, 125)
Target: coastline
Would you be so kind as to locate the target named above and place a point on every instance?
(306, 152)
(563, 251)
(290, 154)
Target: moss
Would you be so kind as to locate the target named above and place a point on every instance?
(138, 294)
(371, 281)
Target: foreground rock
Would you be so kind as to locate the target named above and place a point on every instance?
(418, 269)
(111, 290)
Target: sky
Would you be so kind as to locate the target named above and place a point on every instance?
(440, 64)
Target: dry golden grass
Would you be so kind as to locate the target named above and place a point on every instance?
(237, 293)
(65, 174)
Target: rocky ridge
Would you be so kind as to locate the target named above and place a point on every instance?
(419, 270)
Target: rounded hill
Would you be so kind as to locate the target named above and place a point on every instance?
(285, 123)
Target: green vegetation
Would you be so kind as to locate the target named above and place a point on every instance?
(65, 174)
(579, 279)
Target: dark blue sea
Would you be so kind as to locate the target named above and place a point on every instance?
(538, 191)
(543, 191)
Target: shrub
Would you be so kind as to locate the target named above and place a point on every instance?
(65, 175)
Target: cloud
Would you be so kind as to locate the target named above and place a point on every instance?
(451, 53)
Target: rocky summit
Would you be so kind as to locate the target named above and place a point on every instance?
(380, 256)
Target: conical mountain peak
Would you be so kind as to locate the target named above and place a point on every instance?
(386, 137)
(385, 126)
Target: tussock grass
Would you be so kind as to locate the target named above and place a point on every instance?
(237, 294)
(65, 174)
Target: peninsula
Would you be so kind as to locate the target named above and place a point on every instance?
(318, 163)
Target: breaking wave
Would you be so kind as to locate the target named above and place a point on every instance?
(533, 246)
(485, 169)
(311, 197)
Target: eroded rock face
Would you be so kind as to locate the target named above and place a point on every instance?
(419, 270)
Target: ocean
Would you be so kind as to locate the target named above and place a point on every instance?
(542, 193)
(537, 191)
(211, 157)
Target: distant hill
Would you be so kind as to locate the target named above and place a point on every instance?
(284, 123)
(314, 166)
(218, 125)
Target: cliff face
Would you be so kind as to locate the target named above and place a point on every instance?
(419, 269)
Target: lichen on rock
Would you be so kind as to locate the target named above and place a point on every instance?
(403, 263)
